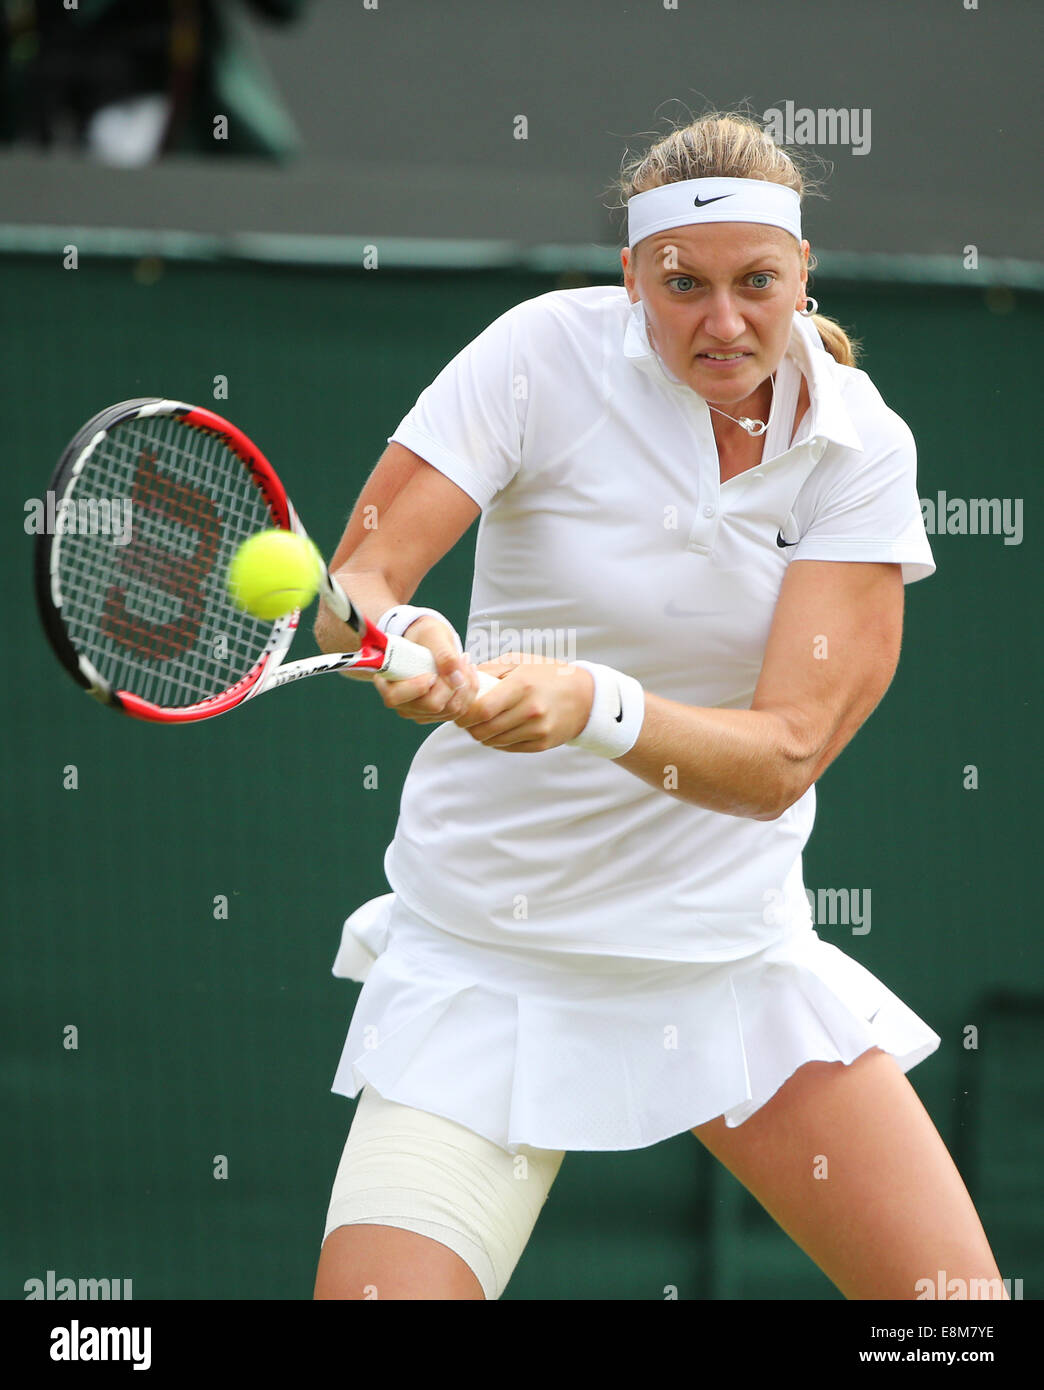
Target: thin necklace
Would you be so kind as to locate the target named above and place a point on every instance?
(753, 427)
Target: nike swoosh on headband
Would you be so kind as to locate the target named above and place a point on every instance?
(619, 700)
(702, 202)
(781, 542)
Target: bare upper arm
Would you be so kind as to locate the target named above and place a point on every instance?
(407, 517)
(831, 654)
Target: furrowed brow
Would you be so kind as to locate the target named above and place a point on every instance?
(771, 259)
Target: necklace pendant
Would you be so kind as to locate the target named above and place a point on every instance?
(755, 427)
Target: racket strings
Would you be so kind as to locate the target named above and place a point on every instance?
(151, 611)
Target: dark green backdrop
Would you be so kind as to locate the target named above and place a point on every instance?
(201, 1037)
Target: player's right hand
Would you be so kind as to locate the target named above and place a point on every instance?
(432, 699)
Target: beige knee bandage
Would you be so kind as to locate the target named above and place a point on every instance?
(403, 1167)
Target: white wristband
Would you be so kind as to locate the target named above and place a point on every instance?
(395, 622)
(617, 713)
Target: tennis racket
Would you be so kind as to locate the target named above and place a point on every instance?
(139, 613)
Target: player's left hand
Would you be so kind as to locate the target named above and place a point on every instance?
(538, 704)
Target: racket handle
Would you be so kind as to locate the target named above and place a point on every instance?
(338, 601)
(406, 659)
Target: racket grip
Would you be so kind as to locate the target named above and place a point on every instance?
(406, 659)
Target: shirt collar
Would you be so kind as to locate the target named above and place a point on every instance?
(830, 417)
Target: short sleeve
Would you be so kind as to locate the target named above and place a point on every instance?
(469, 422)
(865, 507)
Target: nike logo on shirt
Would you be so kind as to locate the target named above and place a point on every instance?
(781, 542)
(671, 610)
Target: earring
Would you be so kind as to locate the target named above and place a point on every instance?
(811, 307)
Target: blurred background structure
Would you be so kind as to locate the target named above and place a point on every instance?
(318, 204)
(130, 82)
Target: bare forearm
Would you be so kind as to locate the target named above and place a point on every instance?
(740, 762)
(369, 592)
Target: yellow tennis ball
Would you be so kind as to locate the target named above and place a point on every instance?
(273, 573)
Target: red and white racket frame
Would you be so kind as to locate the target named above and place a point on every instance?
(394, 657)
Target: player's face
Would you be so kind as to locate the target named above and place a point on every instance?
(719, 301)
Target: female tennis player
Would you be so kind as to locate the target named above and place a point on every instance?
(697, 521)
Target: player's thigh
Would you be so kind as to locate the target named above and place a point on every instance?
(848, 1162)
(423, 1207)
(370, 1261)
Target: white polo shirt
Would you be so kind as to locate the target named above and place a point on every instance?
(605, 528)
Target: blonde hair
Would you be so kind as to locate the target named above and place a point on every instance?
(731, 146)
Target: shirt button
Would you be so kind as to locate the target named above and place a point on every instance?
(708, 510)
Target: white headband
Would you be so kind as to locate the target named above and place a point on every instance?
(695, 201)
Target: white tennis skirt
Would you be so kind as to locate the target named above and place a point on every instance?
(572, 1052)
